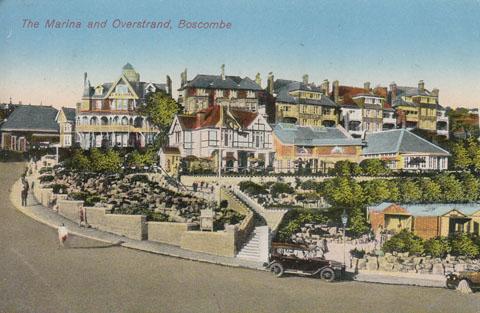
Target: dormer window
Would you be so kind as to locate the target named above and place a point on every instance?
(250, 94)
(99, 90)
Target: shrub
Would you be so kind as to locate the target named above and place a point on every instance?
(462, 244)
(404, 241)
(437, 247)
(44, 170)
(46, 179)
(59, 188)
(357, 253)
(278, 188)
(294, 219)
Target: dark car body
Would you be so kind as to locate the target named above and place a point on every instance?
(302, 260)
(472, 278)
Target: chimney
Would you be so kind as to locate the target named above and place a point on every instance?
(435, 92)
(366, 86)
(223, 71)
(326, 87)
(258, 80)
(183, 78)
(305, 79)
(421, 85)
(270, 83)
(169, 86)
(335, 89)
(393, 92)
(78, 107)
(84, 80)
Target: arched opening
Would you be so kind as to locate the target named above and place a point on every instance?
(94, 120)
(104, 120)
(138, 122)
(124, 120)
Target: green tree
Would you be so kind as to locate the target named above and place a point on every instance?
(161, 109)
(463, 245)
(452, 188)
(79, 161)
(431, 190)
(376, 191)
(404, 241)
(410, 191)
(358, 223)
(343, 168)
(139, 159)
(460, 157)
(393, 189)
(109, 161)
(374, 167)
(437, 247)
(471, 187)
(278, 188)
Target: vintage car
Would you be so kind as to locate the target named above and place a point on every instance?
(467, 279)
(302, 260)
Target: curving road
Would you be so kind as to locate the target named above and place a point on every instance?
(37, 276)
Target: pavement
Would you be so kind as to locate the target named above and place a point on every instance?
(92, 276)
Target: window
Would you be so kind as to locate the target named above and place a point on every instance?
(121, 89)
(67, 140)
(250, 94)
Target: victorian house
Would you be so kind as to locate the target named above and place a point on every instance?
(313, 149)
(243, 138)
(109, 112)
(28, 126)
(301, 103)
(204, 91)
(418, 107)
(362, 109)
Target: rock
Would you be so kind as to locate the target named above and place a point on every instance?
(437, 269)
(361, 264)
(460, 267)
(418, 260)
(372, 263)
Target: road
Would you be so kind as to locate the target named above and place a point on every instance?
(38, 276)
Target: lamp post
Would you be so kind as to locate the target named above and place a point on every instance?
(344, 222)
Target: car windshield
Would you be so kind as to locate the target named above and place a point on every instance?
(298, 253)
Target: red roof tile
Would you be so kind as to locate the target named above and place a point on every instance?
(211, 116)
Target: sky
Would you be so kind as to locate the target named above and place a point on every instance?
(351, 41)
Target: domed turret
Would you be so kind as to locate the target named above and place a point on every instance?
(129, 72)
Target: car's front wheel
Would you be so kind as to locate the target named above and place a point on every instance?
(276, 269)
(327, 274)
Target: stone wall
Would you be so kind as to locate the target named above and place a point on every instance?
(401, 262)
(130, 226)
(168, 232)
(218, 243)
(46, 196)
(70, 209)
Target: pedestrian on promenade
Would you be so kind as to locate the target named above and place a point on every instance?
(62, 234)
(24, 196)
(33, 185)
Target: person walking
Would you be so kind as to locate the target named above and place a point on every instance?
(24, 196)
(62, 234)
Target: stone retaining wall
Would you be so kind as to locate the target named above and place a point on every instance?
(168, 232)
(217, 243)
(70, 209)
(413, 264)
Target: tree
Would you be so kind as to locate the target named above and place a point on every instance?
(471, 187)
(394, 190)
(343, 168)
(374, 167)
(452, 189)
(376, 191)
(79, 161)
(410, 191)
(105, 162)
(431, 190)
(437, 247)
(278, 188)
(460, 157)
(462, 244)
(358, 223)
(160, 109)
(403, 242)
(139, 159)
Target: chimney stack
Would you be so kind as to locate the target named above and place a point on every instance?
(305, 79)
(366, 86)
(435, 92)
(270, 83)
(169, 86)
(258, 80)
(85, 80)
(421, 86)
(183, 78)
(223, 71)
(78, 107)
(335, 88)
(393, 92)
(326, 87)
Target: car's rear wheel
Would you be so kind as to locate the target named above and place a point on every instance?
(464, 286)
(276, 269)
(327, 274)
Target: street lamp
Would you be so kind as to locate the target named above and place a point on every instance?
(344, 222)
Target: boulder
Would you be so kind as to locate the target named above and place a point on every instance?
(438, 269)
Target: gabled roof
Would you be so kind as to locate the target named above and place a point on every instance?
(216, 82)
(349, 92)
(70, 113)
(411, 91)
(400, 141)
(283, 87)
(211, 116)
(32, 118)
(432, 209)
(292, 134)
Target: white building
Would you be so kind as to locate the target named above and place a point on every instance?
(246, 137)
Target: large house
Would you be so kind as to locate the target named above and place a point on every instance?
(244, 138)
(204, 91)
(109, 115)
(362, 109)
(28, 125)
(403, 150)
(426, 220)
(302, 103)
(419, 108)
(314, 149)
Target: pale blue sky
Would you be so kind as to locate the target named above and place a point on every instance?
(352, 41)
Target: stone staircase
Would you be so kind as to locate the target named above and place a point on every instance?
(251, 249)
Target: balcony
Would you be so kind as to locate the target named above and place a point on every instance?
(113, 129)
